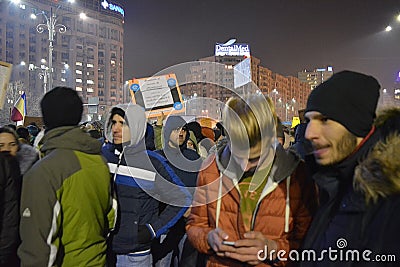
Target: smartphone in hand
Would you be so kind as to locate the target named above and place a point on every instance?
(228, 243)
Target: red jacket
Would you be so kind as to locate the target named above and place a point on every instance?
(272, 213)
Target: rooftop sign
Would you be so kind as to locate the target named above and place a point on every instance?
(113, 7)
(232, 49)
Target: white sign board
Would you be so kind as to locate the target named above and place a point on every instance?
(157, 94)
(5, 73)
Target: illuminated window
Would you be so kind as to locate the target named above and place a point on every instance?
(78, 88)
(90, 90)
(78, 80)
(78, 63)
(78, 71)
(90, 82)
(89, 65)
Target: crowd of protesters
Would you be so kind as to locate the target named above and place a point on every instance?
(174, 193)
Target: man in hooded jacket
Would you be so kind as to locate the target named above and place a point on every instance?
(66, 209)
(143, 180)
(186, 164)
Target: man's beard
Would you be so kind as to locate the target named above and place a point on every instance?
(345, 147)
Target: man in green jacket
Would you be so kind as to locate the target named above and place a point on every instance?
(67, 208)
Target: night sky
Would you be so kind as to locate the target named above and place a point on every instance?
(288, 36)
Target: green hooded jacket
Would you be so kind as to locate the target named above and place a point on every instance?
(67, 209)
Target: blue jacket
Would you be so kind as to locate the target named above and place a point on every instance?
(185, 162)
(143, 180)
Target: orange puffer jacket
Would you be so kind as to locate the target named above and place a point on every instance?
(285, 224)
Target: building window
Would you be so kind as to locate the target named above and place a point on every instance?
(64, 56)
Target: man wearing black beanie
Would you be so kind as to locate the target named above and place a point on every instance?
(66, 203)
(359, 203)
(61, 106)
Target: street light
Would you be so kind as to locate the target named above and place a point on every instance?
(289, 105)
(389, 27)
(275, 92)
(43, 72)
(52, 26)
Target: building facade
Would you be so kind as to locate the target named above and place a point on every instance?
(87, 53)
(316, 76)
(207, 81)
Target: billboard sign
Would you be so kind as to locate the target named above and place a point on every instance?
(113, 7)
(157, 94)
(232, 49)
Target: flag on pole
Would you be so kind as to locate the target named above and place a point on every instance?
(19, 110)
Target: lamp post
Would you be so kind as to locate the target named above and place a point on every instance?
(389, 27)
(43, 73)
(289, 106)
(52, 26)
(275, 92)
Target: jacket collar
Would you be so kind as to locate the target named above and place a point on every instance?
(285, 162)
(338, 178)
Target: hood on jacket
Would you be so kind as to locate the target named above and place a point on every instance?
(378, 176)
(70, 137)
(173, 123)
(26, 156)
(136, 119)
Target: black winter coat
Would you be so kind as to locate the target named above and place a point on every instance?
(10, 188)
(359, 214)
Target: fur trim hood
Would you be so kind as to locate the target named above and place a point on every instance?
(378, 176)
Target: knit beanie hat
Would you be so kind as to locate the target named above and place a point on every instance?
(33, 130)
(349, 98)
(118, 111)
(61, 106)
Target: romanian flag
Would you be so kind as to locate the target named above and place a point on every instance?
(19, 110)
